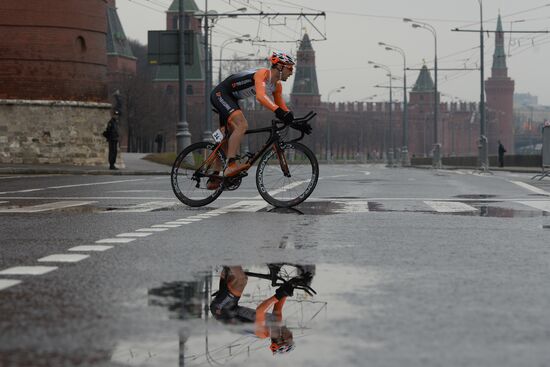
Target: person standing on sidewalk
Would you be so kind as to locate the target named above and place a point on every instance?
(501, 152)
(111, 134)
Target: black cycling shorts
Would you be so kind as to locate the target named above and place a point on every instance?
(225, 103)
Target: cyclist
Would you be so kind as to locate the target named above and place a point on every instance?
(225, 307)
(259, 82)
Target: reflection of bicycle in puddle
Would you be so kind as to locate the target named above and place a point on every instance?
(267, 316)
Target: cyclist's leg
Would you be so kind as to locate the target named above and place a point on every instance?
(238, 125)
(233, 280)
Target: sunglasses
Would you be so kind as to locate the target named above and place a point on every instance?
(289, 67)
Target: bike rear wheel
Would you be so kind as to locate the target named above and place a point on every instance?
(191, 171)
(285, 191)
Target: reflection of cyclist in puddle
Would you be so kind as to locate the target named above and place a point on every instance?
(225, 307)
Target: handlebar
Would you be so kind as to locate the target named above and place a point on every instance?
(295, 122)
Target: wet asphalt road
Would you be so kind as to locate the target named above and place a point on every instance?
(411, 267)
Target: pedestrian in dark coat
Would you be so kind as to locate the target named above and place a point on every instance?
(111, 134)
(501, 152)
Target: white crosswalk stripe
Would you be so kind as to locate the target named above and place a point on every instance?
(64, 258)
(87, 248)
(116, 240)
(353, 206)
(450, 206)
(246, 206)
(145, 207)
(540, 204)
(28, 270)
(6, 283)
(57, 205)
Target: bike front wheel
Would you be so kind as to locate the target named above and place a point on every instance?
(191, 171)
(290, 188)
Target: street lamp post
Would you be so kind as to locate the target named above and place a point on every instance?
(328, 150)
(483, 154)
(392, 142)
(405, 161)
(436, 159)
(183, 136)
(225, 43)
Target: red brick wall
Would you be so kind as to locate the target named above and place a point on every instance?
(53, 49)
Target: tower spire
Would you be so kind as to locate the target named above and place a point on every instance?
(305, 90)
(499, 56)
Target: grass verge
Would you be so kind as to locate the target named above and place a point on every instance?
(161, 158)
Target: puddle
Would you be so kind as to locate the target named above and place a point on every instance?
(498, 212)
(309, 208)
(209, 326)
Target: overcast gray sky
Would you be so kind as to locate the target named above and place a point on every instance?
(353, 29)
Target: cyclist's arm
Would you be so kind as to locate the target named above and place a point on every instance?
(278, 309)
(260, 78)
(278, 96)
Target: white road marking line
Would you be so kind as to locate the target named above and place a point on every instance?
(96, 183)
(166, 225)
(91, 248)
(531, 188)
(6, 283)
(28, 270)
(175, 223)
(151, 229)
(191, 219)
(540, 204)
(115, 240)
(144, 207)
(64, 258)
(450, 206)
(3, 202)
(76, 185)
(25, 176)
(111, 198)
(134, 234)
(45, 207)
(353, 206)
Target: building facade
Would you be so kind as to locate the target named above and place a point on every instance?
(53, 84)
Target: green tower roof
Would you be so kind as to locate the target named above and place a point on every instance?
(424, 82)
(305, 78)
(499, 56)
(189, 6)
(117, 43)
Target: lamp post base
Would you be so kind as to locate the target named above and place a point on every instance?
(436, 158)
(405, 160)
(483, 154)
(183, 136)
(390, 158)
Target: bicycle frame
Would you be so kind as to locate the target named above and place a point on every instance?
(273, 141)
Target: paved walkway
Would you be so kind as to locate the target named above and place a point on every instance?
(132, 164)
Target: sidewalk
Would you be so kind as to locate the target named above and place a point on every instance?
(133, 165)
(533, 170)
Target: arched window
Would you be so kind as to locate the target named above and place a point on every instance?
(80, 44)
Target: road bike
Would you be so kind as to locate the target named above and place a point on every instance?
(287, 171)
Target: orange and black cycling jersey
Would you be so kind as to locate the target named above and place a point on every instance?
(255, 82)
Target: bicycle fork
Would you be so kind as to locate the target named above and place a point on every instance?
(282, 160)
